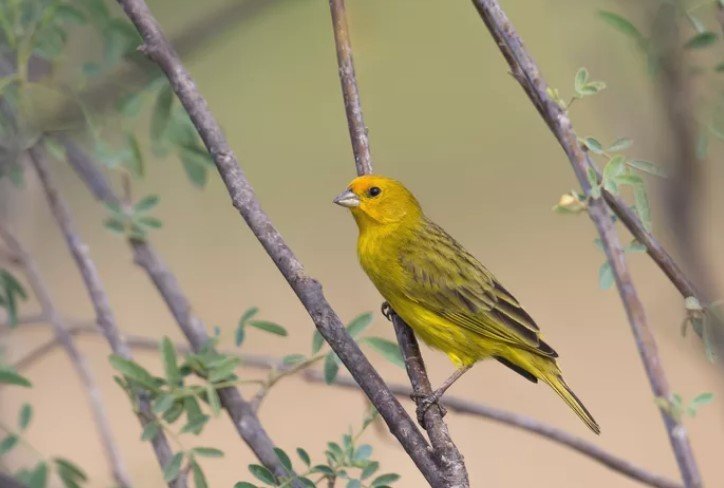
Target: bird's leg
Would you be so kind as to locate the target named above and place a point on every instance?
(425, 402)
(387, 310)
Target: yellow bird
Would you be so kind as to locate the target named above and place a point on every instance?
(451, 301)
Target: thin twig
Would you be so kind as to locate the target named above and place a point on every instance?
(350, 91)
(100, 416)
(457, 404)
(525, 70)
(307, 289)
(449, 457)
(97, 294)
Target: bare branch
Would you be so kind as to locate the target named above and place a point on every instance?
(528, 75)
(350, 91)
(97, 294)
(307, 289)
(79, 361)
(518, 421)
(449, 456)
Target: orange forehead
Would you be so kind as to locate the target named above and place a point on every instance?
(363, 183)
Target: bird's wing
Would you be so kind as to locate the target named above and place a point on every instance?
(447, 280)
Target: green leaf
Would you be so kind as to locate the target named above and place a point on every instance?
(173, 467)
(293, 359)
(592, 177)
(135, 163)
(39, 477)
(163, 402)
(10, 377)
(26, 414)
(359, 324)
(390, 350)
(161, 113)
(250, 312)
(702, 399)
(211, 452)
(362, 453)
(134, 371)
(213, 398)
(370, 469)
(239, 335)
(150, 222)
(321, 468)
(150, 431)
(262, 474)
(643, 208)
(605, 276)
(331, 367)
(244, 484)
(69, 470)
(647, 167)
(614, 168)
(581, 79)
(385, 479)
(196, 425)
(267, 326)
(170, 364)
(8, 443)
(317, 342)
(593, 145)
(284, 458)
(700, 40)
(115, 225)
(199, 477)
(719, 68)
(620, 144)
(307, 482)
(623, 25)
(354, 484)
(196, 162)
(146, 203)
(173, 413)
(304, 456)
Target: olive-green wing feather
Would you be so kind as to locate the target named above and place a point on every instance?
(447, 280)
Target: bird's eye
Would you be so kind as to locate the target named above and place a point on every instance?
(374, 191)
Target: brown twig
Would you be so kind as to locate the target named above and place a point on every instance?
(528, 75)
(100, 416)
(453, 403)
(244, 200)
(451, 461)
(350, 91)
(97, 294)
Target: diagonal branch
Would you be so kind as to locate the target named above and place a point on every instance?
(307, 289)
(104, 315)
(526, 71)
(242, 414)
(449, 457)
(456, 404)
(79, 361)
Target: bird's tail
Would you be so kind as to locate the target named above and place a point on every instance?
(546, 369)
(559, 386)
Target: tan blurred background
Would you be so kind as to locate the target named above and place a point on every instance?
(446, 118)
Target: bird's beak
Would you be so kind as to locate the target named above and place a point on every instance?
(347, 199)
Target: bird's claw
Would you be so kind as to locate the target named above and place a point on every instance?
(424, 402)
(387, 311)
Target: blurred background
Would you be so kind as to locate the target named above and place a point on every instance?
(446, 118)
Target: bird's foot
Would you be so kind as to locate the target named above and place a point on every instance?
(424, 402)
(387, 311)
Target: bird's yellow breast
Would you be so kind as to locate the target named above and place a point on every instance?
(379, 254)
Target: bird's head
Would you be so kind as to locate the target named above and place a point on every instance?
(378, 200)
